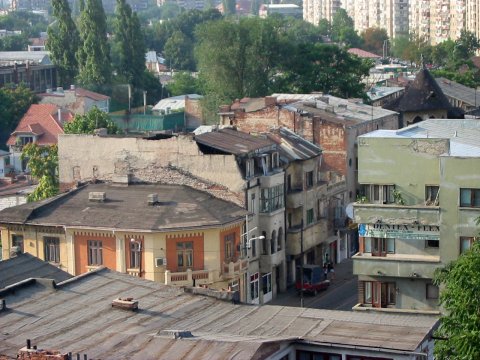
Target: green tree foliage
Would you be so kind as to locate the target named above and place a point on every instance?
(459, 329)
(94, 54)
(86, 124)
(178, 52)
(343, 30)
(326, 68)
(374, 39)
(14, 103)
(63, 42)
(325, 28)
(129, 40)
(42, 161)
(14, 43)
(183, 83)
(28, 23)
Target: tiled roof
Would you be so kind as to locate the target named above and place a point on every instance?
(363, 54)
(42, 120)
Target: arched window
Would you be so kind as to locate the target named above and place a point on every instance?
(280, 239)
(273, 246)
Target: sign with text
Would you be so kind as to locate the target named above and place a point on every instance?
(412, 232)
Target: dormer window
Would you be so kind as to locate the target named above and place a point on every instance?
(24, 140)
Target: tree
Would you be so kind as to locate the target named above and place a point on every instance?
(374, 40)
(129, 40)
(343, 30)
(42, 162)
(326, 68)
(325, 28)
(183, 83)
(63, 42)
(178, 52)
(86, 124)
(94, 53)
(14, 103)
(459, 329)
(14, 43)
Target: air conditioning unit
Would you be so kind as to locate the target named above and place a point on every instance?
(160, 262)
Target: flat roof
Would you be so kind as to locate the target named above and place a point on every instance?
(125, 207)
(464, 134)
(76, 316)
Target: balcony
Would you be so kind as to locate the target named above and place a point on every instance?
(396, 214)
(269, 261)
(396, 265)
(233, 270)
(295, 198)
(187, 278)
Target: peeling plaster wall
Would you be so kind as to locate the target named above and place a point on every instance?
(87, 157)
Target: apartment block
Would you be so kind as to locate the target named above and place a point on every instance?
(316, 10)
(417, 210)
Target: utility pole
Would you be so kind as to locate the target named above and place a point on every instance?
(301, 265)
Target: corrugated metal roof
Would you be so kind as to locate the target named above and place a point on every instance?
(233, 142)
(458, 91)
(292, 146)
(174, 102)
(26, 266)
(77, 317)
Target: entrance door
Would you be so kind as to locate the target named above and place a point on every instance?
(380, 294)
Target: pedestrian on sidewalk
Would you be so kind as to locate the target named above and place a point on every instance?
(331, 270)
(325, 271)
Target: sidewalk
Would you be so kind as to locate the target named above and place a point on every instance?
(343, 272)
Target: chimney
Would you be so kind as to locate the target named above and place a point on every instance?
(125, 304)
(60, 116)
(97, 196)
(152, 199)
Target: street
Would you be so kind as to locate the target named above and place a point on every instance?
(340, 295)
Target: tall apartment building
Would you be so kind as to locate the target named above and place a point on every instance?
(472, 16)
(420, 18)
(421, 196)
(316, 10)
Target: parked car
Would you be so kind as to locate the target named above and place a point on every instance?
(313, 279)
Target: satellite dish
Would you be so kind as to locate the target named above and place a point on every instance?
(349, 210)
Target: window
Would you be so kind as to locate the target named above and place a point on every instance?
(308, 179)
(135, 254)
(431, 194)
(17, 240)
(184, 255)
(309, 216)
(466, 243)
(267, 283)
(379, 194)
(52, 249)
(275, 160)
(253, 244)
(252, 203)
(271, 199)
(229, 247)
(380, 246)
(432, 244)
(379, 294)
(24, 140)
(250, 170)
(470, 197)
(311, 355)
(254, 287)
(95, 252)
(432, 291)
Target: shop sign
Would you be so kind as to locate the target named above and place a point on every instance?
(407, 232)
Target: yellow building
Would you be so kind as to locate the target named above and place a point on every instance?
(166, 233)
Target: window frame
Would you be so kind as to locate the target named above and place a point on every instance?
(229, 247)
(427, 292)
(379, 193)
(135, 254)
(95, 252)
(18, 238)
(474, 201)
(51, 243)
(310, 216)
(470, 239)
(185, 250)
(309, 181)
(431, 195)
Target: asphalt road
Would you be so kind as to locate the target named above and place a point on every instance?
(340, 295)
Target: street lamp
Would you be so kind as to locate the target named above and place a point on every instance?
(249, 241)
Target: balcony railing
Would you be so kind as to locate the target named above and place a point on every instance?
(187, 278)
(134, 272)
(234, 269)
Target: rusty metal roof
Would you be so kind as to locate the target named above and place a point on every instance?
(126, 207)
(234, 142)
(76, 316)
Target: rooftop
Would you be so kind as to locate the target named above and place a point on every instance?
(464, 134)
(292, 146)
(335, 109)
(178, 207)
(363, 54)
(233, 142)
(26, 266)
(77, 316)
(379, 92)
(458, 91)
(174, 102)
(36, 57)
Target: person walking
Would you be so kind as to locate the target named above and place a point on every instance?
(325, 271)
(331, 270)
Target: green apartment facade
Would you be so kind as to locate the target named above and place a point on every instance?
(417, 209)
